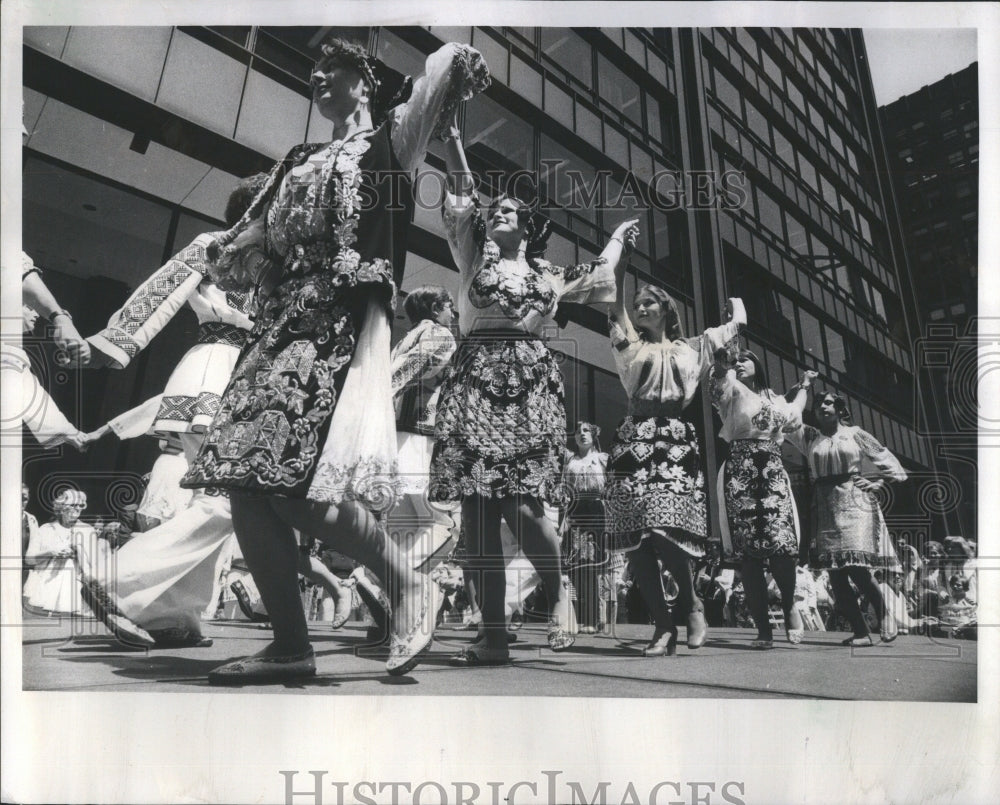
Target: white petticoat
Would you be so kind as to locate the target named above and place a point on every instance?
(359, 454)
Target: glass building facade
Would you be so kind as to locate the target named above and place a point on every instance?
(136, 135)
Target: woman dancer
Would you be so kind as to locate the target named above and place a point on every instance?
(849, 535)
(584, 524)
(305, 435)
(760, 523)
(656, 494)
(501, 427)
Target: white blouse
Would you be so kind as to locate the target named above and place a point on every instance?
(747, 414)
(503, 294)
(586, 473)
(668, 371)
(849, 451)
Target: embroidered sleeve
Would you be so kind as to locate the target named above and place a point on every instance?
(153, 304)
(724, 337)
(452, 74)
(878, 456)
(422, 357)
(721, 389)
(584, 283)
(465, 229)
(789, 416)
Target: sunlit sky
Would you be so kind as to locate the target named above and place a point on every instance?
(902, 60)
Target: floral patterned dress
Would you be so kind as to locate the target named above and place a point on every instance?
(501, 424)
(308, 412)
(758, 513)
(847, 524)
(656, 482)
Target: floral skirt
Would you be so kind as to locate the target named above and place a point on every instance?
(501, 421)
(656, 484)
(308, 411)
(758, 518)
(848, 528)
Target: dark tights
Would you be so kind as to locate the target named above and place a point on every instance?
(847, 599)
(646, 572)
(755, 587)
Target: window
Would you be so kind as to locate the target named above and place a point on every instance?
(771, 69)
(798, 241)
(757, 123)
(835, 348)
(654, 120)
(808, 172)
(812, 335)
(570, 192)
(727, 93)
(505, 139)
(525, 80)
(795, 96)
(769, 213)
(783, 148)
(620, 91)
(558, 104)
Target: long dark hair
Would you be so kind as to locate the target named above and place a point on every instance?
(674, 329)
(760, 382)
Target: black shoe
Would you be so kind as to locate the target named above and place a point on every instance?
(246, 605)
(179, 637)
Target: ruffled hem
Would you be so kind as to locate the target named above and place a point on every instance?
(371, 481)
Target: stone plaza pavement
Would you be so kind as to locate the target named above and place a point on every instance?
(59, 654)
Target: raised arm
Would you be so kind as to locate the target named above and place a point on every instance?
(798, 401)
(452, 75)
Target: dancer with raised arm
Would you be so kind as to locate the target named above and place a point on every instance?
(305, 437)
(501, 427)
(656, 493)
(757, 508)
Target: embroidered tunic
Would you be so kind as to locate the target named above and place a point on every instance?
(308, 412)
(501, 426)
(191, 397)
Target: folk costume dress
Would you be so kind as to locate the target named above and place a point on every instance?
(501, 421)
(656, 478)
(847, 524)
(419, 364)
(585, 526)
(308, 413)
(757, 509)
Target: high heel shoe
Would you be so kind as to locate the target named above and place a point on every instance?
(697, 629)
(658, 647)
